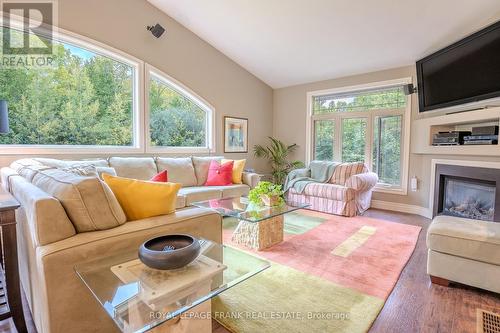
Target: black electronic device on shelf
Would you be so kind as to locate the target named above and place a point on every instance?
(452, 138)
(482, 135)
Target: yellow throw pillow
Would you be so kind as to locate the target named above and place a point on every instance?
(141, 199)
(238, 167)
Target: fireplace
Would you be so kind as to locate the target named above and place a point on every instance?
(469, 199)
(469, 192)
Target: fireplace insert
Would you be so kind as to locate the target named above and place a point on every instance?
(469, 192)
(469, 199)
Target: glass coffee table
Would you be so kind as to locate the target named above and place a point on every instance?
(259, 227)
(139, 298)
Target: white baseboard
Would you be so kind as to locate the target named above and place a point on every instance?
(404, 208)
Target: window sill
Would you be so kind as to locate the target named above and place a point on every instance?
(390, 190)
(66, 149)
(180, 150)
(62, 149)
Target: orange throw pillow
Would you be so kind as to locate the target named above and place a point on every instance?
(141, 199)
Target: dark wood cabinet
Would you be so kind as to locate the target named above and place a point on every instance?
(10, 289)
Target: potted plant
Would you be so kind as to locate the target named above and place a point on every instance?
(266, 193)
(277, 154)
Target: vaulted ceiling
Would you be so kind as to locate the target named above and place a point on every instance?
(289, 42)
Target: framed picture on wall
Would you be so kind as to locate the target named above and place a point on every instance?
(235, 135)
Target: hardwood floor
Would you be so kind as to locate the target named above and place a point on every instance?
(8, 325)
(415, 305)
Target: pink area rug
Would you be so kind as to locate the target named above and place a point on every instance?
(372, 263)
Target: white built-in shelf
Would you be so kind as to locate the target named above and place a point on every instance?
(424, 129)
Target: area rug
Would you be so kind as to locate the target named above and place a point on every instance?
(331, 274)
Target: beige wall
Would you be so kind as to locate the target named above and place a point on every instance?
(289, 125)
(179, 53)
(228, 87)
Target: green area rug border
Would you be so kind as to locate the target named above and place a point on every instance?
(250, 308)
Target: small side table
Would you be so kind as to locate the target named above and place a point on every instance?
(10, 286)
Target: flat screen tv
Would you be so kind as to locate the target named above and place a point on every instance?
(464, 72)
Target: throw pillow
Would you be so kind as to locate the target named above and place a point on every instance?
(220, 174)
(201, 165)
(238, 167)
(160, 177)
(142, 199)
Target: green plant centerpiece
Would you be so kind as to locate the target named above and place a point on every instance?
(266, 193)
(277, 154)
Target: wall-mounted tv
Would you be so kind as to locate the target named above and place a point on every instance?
(464, 72)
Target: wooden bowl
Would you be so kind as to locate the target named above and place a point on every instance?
(169, 251)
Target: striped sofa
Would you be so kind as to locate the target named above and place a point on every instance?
(347, 193)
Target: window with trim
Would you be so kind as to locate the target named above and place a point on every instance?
(363, 126)
(177, 119)
(85, 99)
(91, 100)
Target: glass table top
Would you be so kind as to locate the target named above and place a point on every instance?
(139, 298)
(242, 209)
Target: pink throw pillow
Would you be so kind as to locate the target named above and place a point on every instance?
(160, 177)
(220, 175)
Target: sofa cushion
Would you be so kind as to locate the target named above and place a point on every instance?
(142, 199)
(477, 240)
(232, 191)
(142, 168)
(329, 191)
(180, 202)
(89, 202)
(201, 166)
(200, 193)
(180, 170)
(344, 171)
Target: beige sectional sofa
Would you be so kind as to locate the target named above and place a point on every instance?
(66, 219)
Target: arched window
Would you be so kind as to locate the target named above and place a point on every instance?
(179, 120)
(91, 99)
(86, 98)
